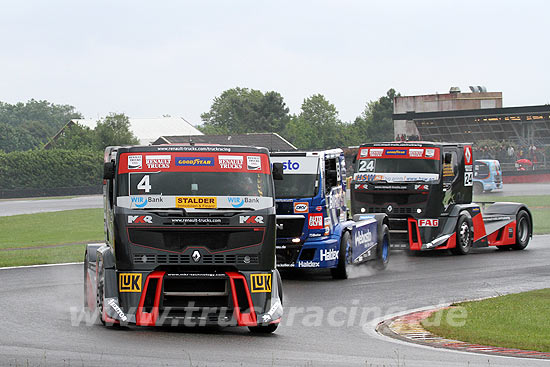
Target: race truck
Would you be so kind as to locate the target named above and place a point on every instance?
(425, 188)
(313, 229)
(189, 239)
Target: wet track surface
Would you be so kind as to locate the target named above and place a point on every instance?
(30, 206)
(320, 326)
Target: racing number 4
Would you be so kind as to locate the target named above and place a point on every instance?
(144, 184)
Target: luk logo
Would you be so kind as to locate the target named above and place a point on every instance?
(362, 238)
(129, 282)
(260, 283)
(329, 254)
(236, 202)
(140, 219)
(301, 208)
(139, 201)
(251, 219)
(290, 166)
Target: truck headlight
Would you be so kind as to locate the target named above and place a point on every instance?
(419, 210)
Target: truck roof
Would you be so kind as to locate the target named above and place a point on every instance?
(188, 148)
(413, 144)
(329, 153)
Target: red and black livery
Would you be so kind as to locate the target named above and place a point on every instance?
(189, 239)
(425, 188)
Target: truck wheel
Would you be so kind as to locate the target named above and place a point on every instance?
(383, 249)
(344, 258)
(523, 230)
(478, 188)
(263, 329)
(464, 237)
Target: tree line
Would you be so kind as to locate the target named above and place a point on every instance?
(30, 125)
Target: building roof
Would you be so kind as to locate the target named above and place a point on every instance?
(149, 129)
(271, 141)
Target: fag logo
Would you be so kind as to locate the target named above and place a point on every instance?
(129, 282)
(301, 208)
(251, 219)
(428, 222)
(260, 283)
(141, 219)
(315, 221)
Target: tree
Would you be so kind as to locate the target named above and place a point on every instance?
(77, 137)
(376, 122)
(317, 126)
(114, 129)
(243, 110)
(16, 138)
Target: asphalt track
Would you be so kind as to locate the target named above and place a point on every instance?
(31, 206)
(37, 326)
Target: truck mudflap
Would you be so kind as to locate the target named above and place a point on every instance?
(224, 299)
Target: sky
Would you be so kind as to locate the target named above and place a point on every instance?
(148, 59)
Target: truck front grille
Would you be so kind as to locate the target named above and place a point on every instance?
(290, 227)
(176, 259)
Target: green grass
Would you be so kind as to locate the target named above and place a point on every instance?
(512, 321)
(42, 229)
(53, 255)
(538, 204)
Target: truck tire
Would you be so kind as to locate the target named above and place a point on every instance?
(263, 329)
(464, 236)
(523, 230)
(344, 258)
(383, 248)
(478, 188)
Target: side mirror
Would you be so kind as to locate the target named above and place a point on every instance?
(109, 170)
(277, 171)
(448, 158)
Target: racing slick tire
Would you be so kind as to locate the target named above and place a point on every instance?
(383, 248)
(478, 188)
(523, 230)
(344, 258)
(464, 236)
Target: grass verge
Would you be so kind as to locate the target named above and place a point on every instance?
(71, 229)
(511, 321)
(538, 204)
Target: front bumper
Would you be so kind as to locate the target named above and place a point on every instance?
(319, 253)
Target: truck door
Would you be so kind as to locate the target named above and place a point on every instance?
(333, 189)
(450, 176)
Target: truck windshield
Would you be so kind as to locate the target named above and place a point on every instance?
(296, 186)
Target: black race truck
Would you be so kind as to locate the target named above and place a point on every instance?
(425, 188)
(189, 239)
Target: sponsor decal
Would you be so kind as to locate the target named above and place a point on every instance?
(261, 283)
(158, 161)
(254, 163)
(139, 201)
(135, 162)
(290, 165)
(313, 235)
(141, 219)
(301, 208)
(364, 152)
(468, 178)
(309, 264)
(430, 153)
(400, 152)
(197, 221)
(318, 208)
(315, 221)
(196, 202)
(231, 161)
(328, 255)
(421, 187)
(195, 161)
(428, 222)
(376, 152)
(129, 282)
(416, 153)
(117, 309)
(467, 155)
(251, 219)
(236, 202)
(363, 238)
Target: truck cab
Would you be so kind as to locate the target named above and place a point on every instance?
(487, 175)
(189, 238)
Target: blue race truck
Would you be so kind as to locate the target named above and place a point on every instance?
(313, 227)
(487, 175)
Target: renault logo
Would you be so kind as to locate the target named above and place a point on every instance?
(196, 256)
(390, 208)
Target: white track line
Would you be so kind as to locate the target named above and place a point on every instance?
(38, 266)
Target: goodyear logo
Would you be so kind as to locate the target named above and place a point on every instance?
(196, 202)
(195, 161)
(396, 152)
(261, 283)
(129, 282)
